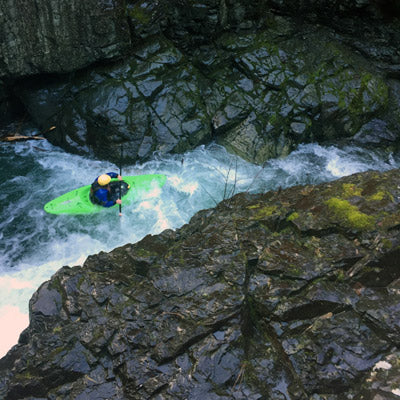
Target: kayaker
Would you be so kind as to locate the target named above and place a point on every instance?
(100, 191)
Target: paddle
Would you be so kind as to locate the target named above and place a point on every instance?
(120, 182)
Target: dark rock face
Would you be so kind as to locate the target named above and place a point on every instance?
(258, 94)
(326, 8)
(9, 107)
(259, 77)
(153, 102)
(52, 36)
(285, 295)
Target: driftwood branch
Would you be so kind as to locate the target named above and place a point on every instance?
(16, 137)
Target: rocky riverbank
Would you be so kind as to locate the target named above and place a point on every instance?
(258, 77)
(292, 294)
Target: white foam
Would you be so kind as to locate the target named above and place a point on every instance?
(14, 283)
(182, 185)
(12, 322)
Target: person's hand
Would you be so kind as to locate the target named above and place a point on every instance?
(119, 177)
(118, 201)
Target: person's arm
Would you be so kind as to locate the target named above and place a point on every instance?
(114, 175)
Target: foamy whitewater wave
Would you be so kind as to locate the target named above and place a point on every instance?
(34, 245)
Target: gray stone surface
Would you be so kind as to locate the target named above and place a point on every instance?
(53, 36)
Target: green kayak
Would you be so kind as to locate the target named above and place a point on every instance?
(78, 202)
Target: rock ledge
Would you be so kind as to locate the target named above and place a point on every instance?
(291, 294)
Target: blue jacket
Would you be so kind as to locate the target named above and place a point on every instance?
(101, 194)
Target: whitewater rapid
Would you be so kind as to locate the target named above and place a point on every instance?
(34, 245)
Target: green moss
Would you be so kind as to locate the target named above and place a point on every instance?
(360, 220)
(81, 280)
(253, 206)
(139, 14)
(292, 216)
(55, 284)
(143, 253)
(349, 190)
(379, 196)
(273, 119)
(57, 329)
(342, 102)
(56, 352)
(341, 276)
(372, 93)
(27, 375)
(387, 244)
(265, 227)
(349, 215)
(379, 90)
(294, 269)
(264, 212)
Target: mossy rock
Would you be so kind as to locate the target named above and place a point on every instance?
(349, 216)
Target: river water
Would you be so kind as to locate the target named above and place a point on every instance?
(34, 245)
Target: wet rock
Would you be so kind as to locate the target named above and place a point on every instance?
(47, 301)
(52, 37)
(150, 103)
(278, 295)
(258, 94)
(259, 77)
(303, 91)
(383, 380)
(375, 131)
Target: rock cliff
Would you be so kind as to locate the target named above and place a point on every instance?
(52, 36)
(292, 294)
(258, 77)
(259, 94)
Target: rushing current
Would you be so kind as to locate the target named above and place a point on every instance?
(34, 245)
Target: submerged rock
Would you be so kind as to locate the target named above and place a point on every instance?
(287, 294)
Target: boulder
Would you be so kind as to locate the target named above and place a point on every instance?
(288, 294)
